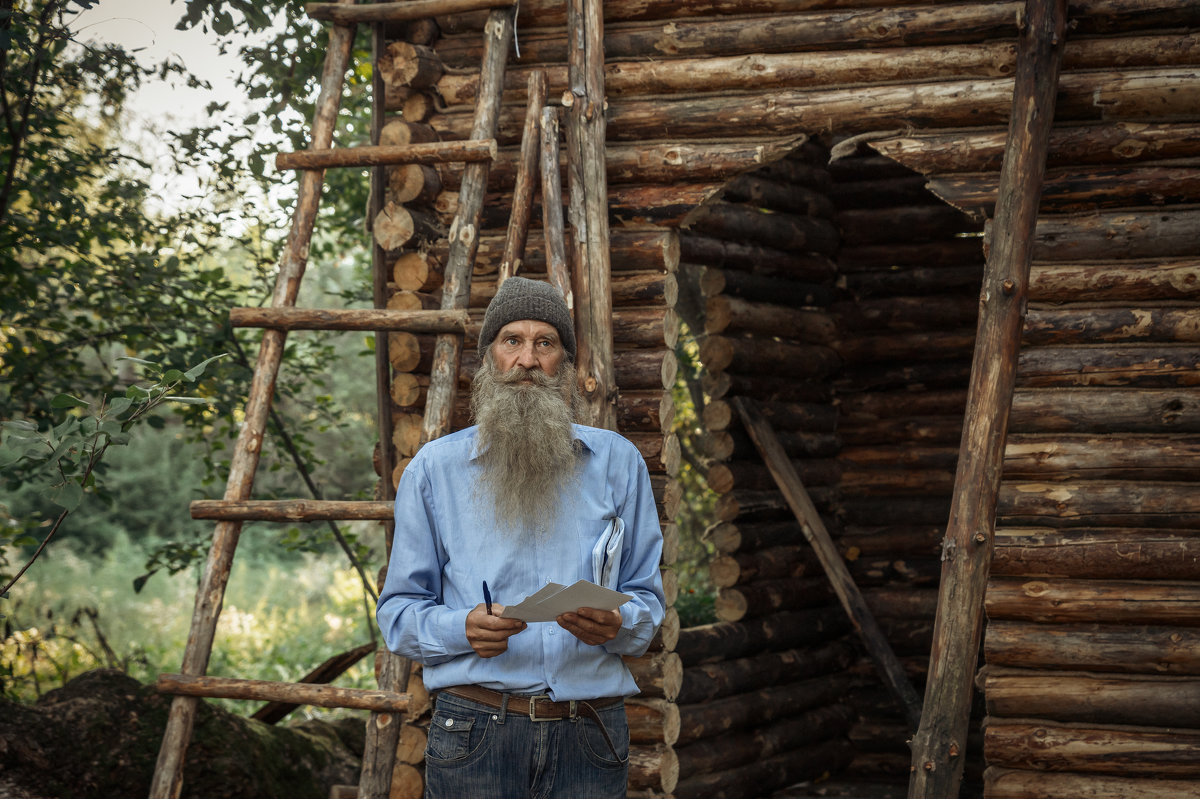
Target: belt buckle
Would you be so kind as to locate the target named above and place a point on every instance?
(533, 708)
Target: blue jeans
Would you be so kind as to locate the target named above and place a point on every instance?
(478, 752)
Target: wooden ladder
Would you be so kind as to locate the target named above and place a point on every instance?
(449, 323)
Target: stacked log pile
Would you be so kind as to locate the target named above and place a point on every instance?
(1091, 667)
(843, 300)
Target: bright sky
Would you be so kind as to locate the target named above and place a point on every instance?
(148, 27)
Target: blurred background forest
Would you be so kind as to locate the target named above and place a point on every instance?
(128, 228)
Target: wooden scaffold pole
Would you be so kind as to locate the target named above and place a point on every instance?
(940, 742)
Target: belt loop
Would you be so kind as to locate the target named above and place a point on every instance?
(503, 707)
(574, 710)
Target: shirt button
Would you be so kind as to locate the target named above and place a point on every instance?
(449, 722)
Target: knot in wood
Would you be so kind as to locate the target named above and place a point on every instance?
(981, 538)
(929, 765)
(1008, 285)
(590, 384)
(953, 749)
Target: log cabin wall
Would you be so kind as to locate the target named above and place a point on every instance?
(861, 353)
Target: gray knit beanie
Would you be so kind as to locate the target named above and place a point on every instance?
(521, 298)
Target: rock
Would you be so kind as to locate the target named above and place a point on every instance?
(98, 736)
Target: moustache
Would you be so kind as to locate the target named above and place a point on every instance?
(519, 374)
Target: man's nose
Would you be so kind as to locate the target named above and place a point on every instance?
(526, 358)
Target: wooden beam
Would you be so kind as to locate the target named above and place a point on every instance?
(889, 666)
(589, 210)
(940, 743)
(350, 319)
(327, 672)
(390, 154)
(343, 14)
(294, 692)
(554, 230)
(290, 510)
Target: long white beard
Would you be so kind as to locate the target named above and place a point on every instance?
(527, 445)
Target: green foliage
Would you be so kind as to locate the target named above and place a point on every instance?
(696, 591)
(61, 460)
(283, 615)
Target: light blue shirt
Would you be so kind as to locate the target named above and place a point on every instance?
(447, 544)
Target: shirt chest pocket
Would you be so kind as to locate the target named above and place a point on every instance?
(600, 545)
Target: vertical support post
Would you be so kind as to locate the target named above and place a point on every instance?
(552, 208)
(527, 175)
(589, 209)
(383, 729)
(210, 595)
(464, 231)
(940, 742)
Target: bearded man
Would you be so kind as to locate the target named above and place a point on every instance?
(523, 498)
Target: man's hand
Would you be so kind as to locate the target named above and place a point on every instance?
(488, 635)
(592, 626)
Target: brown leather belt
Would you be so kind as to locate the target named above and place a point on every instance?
(540, 708)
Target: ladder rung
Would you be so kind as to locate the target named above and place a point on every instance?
(296, 693)
(290, 510)
(397, 12)
(439, 152)
(436, 321)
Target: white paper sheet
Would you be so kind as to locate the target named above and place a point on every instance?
(552, 600)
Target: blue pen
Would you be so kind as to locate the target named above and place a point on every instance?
(487, 598)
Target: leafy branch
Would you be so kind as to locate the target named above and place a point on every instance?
(69, 452)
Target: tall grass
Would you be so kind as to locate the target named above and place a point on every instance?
(283, 615)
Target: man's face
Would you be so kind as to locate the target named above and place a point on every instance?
(529, 344)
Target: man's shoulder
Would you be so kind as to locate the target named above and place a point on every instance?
(457, 445)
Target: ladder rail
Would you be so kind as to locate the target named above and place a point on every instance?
(168, 773)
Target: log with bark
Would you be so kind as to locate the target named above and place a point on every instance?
(862, 227)
(764, 288)
(1105, 410)
(726, 640)
(807, 417)
(652, 721)
(633, 248)
(710, 251)
(1113, 457)
(1074, 145)
(1093, 749)
(1148, 366)
(765, 597)
(726, 752)
(805, 361)
(725, 314)
(1076, 188)
(717, 717)
(1151, 233)
(1099, 504)
(1099, 554)
(917, 281)
(765, 775)
(1067, 601)
(1122, 281)
(929, 254)
(1110, 648)
(710, 681)
(1086, 324)
(1013, 784)
(776, 230)
(653, 767)
(1133, 699)
(658, 674)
